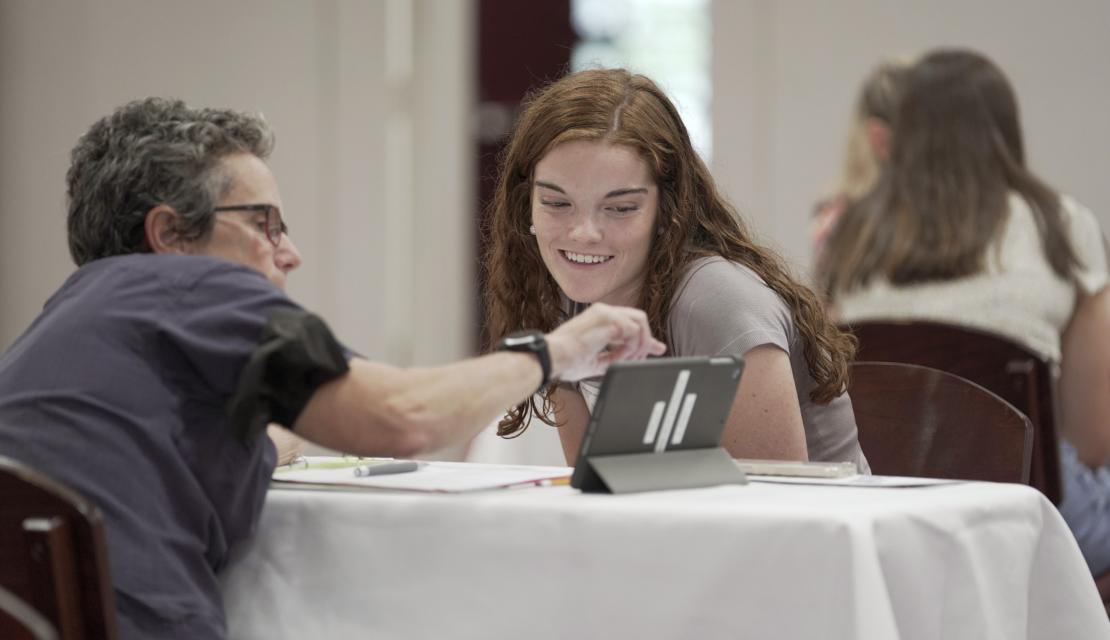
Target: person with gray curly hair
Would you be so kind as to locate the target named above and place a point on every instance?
(149, 379)
(166, 153)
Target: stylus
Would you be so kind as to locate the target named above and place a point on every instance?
(383, 468)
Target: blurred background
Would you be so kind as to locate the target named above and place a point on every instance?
(389, 115)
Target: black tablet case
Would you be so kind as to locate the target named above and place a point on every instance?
(622, 453)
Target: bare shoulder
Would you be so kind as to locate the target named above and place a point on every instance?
(716, 275)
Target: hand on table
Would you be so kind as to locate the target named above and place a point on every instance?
(288, 445)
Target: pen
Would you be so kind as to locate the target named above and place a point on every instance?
(545, 482)
(389, 466)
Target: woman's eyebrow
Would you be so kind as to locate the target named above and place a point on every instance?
(626, 191)
(548, 185)
(612, 194)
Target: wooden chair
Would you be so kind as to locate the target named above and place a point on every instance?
(20, 621)
(923, 422)
(53, 555)
(1103, 584)
(1018, 375)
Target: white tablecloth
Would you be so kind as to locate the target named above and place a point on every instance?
(973, 560)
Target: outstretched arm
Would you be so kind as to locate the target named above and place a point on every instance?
(378, 409)
(1085, 380)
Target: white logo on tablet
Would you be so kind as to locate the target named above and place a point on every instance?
(672, 416)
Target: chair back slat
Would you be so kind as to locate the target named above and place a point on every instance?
(1021, 377)
(53, 554)
(923, 422)
(20, 621)
(53, 572)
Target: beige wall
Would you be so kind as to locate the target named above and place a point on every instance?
(371, 105)
(786, 73)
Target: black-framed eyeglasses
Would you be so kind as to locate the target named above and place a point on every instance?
(275, 226)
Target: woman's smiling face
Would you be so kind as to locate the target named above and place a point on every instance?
(594, 206)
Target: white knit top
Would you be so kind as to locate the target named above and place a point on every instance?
(1017, 295)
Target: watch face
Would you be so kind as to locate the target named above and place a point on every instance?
(517, 340)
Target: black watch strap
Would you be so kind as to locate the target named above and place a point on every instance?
(530, 342)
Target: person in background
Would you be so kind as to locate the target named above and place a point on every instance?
(148, 380)
(868, 145)
(958, 230)
(601, 198)
(1085, 415)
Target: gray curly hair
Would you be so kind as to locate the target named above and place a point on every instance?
(151, 152)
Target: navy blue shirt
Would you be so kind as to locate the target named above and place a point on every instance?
(119, 390)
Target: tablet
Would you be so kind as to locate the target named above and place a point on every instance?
(659, 405)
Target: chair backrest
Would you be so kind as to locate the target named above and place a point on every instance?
(53, 555)
(1021, 377)
(1103, 584)
(923, 422)
(20, 621)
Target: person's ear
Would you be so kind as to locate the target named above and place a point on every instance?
(878, 137)
(161, 231)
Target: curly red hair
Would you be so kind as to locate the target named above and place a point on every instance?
(618, 107)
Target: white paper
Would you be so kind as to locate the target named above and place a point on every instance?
(857, 481)
(448, 477)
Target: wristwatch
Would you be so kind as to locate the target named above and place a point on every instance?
(530, 342)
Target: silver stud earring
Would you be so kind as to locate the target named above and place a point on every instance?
(532, 229)
(659, 231)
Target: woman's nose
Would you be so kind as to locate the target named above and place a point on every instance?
(585, 229)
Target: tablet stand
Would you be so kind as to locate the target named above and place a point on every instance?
(680, 469)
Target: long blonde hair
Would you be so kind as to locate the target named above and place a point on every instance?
(617, 107)
(956, 154)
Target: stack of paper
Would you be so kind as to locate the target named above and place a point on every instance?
(445, 477)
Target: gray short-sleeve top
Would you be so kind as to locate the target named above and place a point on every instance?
(724, 308)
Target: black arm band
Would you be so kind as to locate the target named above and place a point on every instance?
(297, 354)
